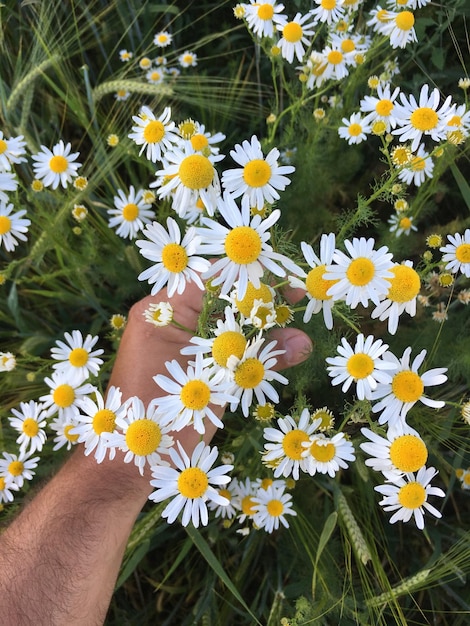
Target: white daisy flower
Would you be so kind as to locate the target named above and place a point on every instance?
(327, 455)
(7, 361)
(295, 35)
(175, 260)
(252, 374)
(30, 422)
(382, 106)
(13, 226)
(408, 497)
(401, 296)
(187, 59)
(262, 315)
(63, 426)
(140, 433)
(423, 117)
(456, 254)
(362, 365)
(406, 387)
(64, 394)
(16, 468)
(125, 56)
(259, 16)
(96, 419)
(56, 166)
(77, 359)
(419, 169)
(243, 247)
(401, 224)
(245, 492)
(191, 393)
(11, 151)
(363, 275)
(328, 11)
(155, 135)
(163, 39)
(155, 76)
(8, 182)
(271, 506)
(259, 178)
(205, 142)
(459, 125)
(131, 213)
(380, 19)
(335, 63)
(350, 45)
(400, 29)
(315, 285)
(355, 129)
(194, 483)
(6, 488)
(284, 449)
(159, 314)
(230, 510)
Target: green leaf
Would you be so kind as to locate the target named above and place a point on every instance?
(326, 533)
(462, 184)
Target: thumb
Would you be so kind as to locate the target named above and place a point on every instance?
(297, 345)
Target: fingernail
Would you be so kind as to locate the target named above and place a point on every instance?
(298, 349)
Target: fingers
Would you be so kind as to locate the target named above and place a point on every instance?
(297, 345)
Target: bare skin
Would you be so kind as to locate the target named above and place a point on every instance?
(60, 558)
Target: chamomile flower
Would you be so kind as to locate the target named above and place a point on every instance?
(191, 394)
(252, 374)
(335, 63)
(30, 422)
(456, 254)
(64, 394)
(400, 29)
(401, 224)
(193, 481)
(16, 468)
(245, 492)
(8, 182)
(381, 107)
(362, 276)
(408, 497)
(362, 365)
(295, 35)
(271, 506)
(315, 285)
(187, 59)
(6, 488)
(203, 141)
(155, 135)
(230, 510)
(328, 11)
(259, 178)
(7, 361)
(401, 295)
(262, 315)
(419, 168)
(63, 426)
(125, 55)
(259, 15)
(406, 387)
(96, 419)
(175, 260)
(327, 455)
(11, 151)
(243, 247)
(56, 166)
(284, 448)
(355, 129)
(424, 116)
(159, 313)
(76, 357)
(13, 226)
(163, 39)
(140, 433)
(131, 213)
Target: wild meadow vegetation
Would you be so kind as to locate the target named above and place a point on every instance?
(317, 145)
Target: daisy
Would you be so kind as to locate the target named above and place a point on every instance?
(194, 483)
(382, 106)
(259, 178)
(17, 468)
(459, 125)
(29, 421)
(380, 20)
(159, 313)
(155, 135)
(122, 95)
(8, 182)
(56, 166)
(406, 387)
(245, 492)
(401, 225)
(252, 374)
(76, 358)
(64, 394)
(96, 419)
(245, 305)
(187, 59)
(230, 510)
(11, 151)
(271, 505)
(6, 488)
(262, 315)
(295, 35)
(423, 117)
(284, 449)
(201, 140)
(163, 39)
(7, 361)
(155, 76)
(456, 254)
(125, 55)
(13, 226)
(63, 427)
(131, 213)
(400, 29)
(140, 433)
(408, 497)
(326, 455)
(328, 11)
(401, 296)
(355, 129)
(243, 247)
(363, 275)
(419, 168)
(315, 285)
(175, 260)
(191, 393)
(362, 365)
(259, 16)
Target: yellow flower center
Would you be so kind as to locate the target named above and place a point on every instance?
(249, 374)
(154, 131)
(252, 293)
(265, 11)
(412, 495)
(63, 396)
(384, 107)
(292, 32)
(417, 164)
(316, 285)
(143, 437)
(334, 57)
(248, 505)
(266, 482)
(174, 257)
(78, 357)
(329, 5)
(256, 173)
(3, 483)
(30, 427)
(407, 386)
(195, 395)
(408, 453)
(424, 118)
(462, 253)
(243, 245)
(348, 45)
(225, 493)
(104, 421)
(228, 343)
(187, 129)
(405, 20)
(326, 416)
(322, 452)
(355, 130)
(379, 127)
(264, 411)
(360, 271)
(360, 365)
(401, 156)
(58, 164)
(3, 146)
(292, 443)
(283, 314)
(405, 223)
(130, 212)
(5, 224)
(68, 435)
(199, 142)
(196, 171)
(16, 468)
(193, 483)
(382, 15)
(405, 285)
(275, 508)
